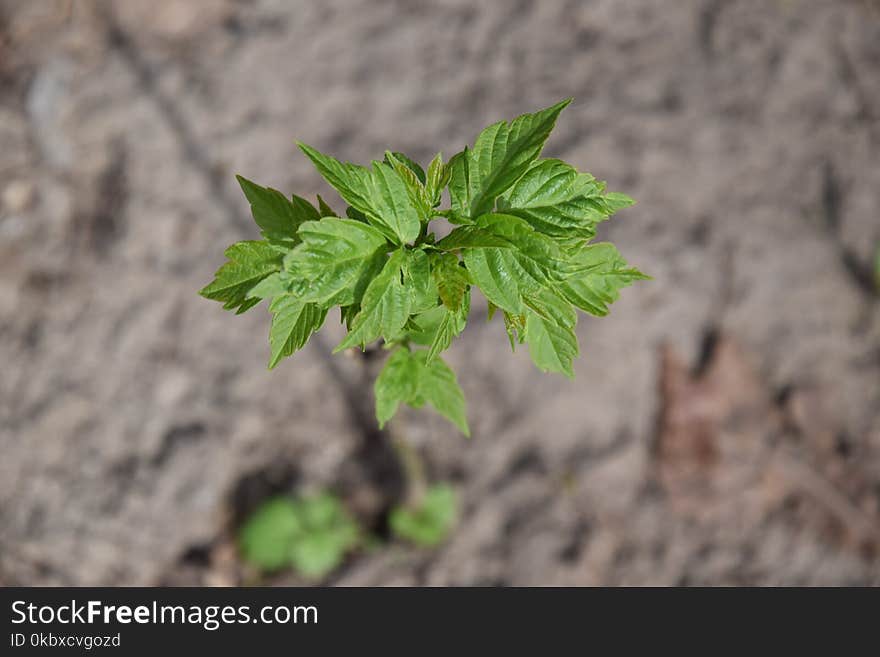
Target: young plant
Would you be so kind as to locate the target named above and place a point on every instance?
(311, 534)
(523, 232)
(429, 521)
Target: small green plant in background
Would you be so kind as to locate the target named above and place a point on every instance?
(429, 522)
(523, 227)
(311, 534)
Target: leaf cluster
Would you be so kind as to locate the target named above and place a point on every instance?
(312, 534)
(429, 523)
(523, 227)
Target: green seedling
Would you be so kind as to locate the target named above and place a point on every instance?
(430, 521)
(311, 534)
(522, 235)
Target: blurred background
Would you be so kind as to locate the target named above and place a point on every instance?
(724, 424)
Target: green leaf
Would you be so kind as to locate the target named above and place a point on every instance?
(500, 277)
(391, 205)
(439, 387)
(615, 201)
(266, 537)
(408, 378)
(415, 188)
(325, 210)
(293, 323)
(336, 260)
(603, 274)
(385, 307)
(397, 382)
(352, 181)
(408, 162)
(515, 325)
(471, 237)
(506, 275)
(348, 313)
(459, 191)
(277, 217)
(418, 279)
(451, 278)
(551, 346)
(538, 254)
(249, 263)
(454, 217)
(328, 533)
(421, 328)
(437, 178)
(312, 534)
(450, 327)
(549, 332)
(429, 523)
(501, 154)
(357, 215)
(379, 194)
(271, 286)
(557, 200)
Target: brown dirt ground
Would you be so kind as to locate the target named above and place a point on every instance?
(724, 425)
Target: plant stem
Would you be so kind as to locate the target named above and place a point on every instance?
(423, 232)
(411, 463)
(395, 433)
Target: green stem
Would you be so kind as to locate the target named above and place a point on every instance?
(411, 464)
(423, 233)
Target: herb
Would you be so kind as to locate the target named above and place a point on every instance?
(522, 236)
(429, 522)
(312, 534)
